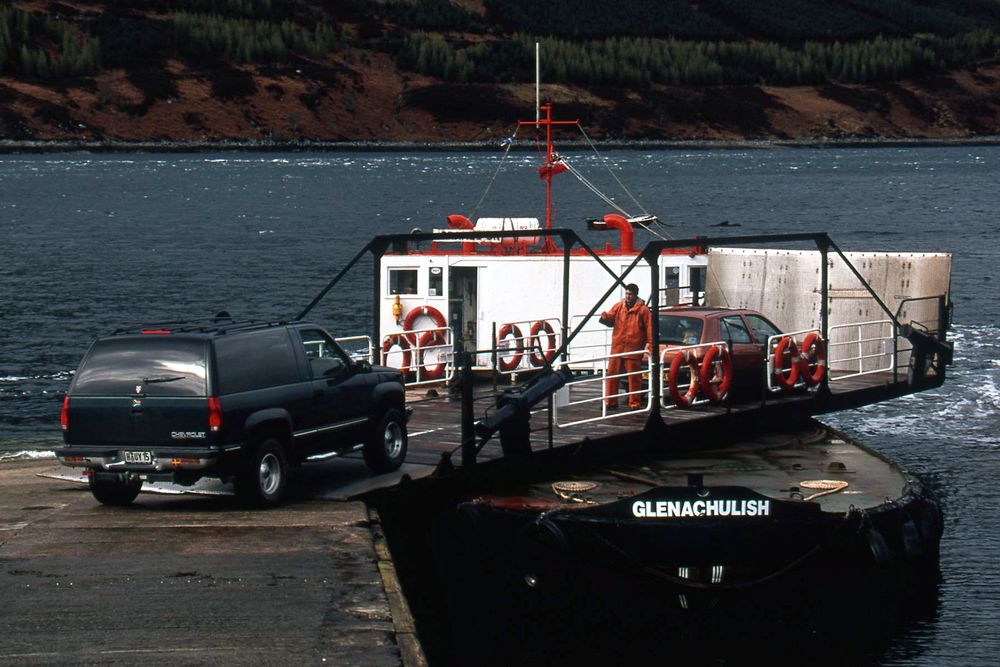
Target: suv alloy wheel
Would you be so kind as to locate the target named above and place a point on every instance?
(385, 448)
(262, 481)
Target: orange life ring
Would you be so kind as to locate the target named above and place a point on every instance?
(538, 358)
(515, 359)
(429, 311)
(430, 339)
(812, 359)
(685, 399)
(403, 343)
(786, 379)
(715, 385)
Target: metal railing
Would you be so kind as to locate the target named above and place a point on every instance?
(862, 348)
(366, 354)
(683, 388)
(775, 366)
(564, 397)
(425, 356)
(518, 345)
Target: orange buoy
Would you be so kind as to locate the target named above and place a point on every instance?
(539, 358)
(673, 379)
(515, 360)
(786, 379)
(716, 373)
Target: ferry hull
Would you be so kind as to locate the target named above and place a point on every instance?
(578, 582)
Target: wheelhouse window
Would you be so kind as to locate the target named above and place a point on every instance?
(402, 281)
(435, 279)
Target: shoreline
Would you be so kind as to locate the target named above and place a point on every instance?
(60, 146)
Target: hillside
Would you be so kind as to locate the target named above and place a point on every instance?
(434, 70)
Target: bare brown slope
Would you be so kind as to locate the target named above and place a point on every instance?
(361, 96)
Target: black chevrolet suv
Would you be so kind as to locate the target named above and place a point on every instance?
(238, 401)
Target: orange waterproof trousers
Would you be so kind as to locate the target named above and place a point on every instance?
(617, 365)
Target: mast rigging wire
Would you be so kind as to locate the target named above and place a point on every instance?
(509, 141)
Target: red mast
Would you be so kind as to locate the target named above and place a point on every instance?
(550, 167)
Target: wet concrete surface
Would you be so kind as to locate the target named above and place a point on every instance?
(186, 579)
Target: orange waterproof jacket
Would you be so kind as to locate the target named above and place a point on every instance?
(633, 327)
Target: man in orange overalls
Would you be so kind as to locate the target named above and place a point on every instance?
(633, 332)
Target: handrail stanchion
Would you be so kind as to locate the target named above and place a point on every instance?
(469, 448)
(495, 357)
(824, 312)
(654, 356)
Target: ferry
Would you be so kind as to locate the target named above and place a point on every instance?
(676, 509)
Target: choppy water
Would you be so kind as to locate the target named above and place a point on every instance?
(93, 242)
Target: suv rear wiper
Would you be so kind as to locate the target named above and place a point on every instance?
(163, 378)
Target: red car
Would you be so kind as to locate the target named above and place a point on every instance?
(744, 331)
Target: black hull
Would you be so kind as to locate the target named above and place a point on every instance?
(529, 587)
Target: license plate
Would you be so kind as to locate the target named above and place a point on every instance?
(138, 457)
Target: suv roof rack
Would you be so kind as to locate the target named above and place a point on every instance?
(212, 325)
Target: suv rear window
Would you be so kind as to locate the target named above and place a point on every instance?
(151, 365)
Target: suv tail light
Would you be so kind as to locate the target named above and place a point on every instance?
(64, 414)
(214, 414)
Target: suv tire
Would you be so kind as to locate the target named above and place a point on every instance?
(262, 481)
(385, 447)
(118, 491)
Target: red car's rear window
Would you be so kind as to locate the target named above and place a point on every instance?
(681, 329)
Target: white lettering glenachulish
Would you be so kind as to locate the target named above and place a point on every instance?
(660, 509)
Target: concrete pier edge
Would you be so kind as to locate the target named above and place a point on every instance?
(410, 649)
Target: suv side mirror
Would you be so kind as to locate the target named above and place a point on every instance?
(363, 365)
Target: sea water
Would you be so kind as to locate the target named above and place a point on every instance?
(91, 243)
